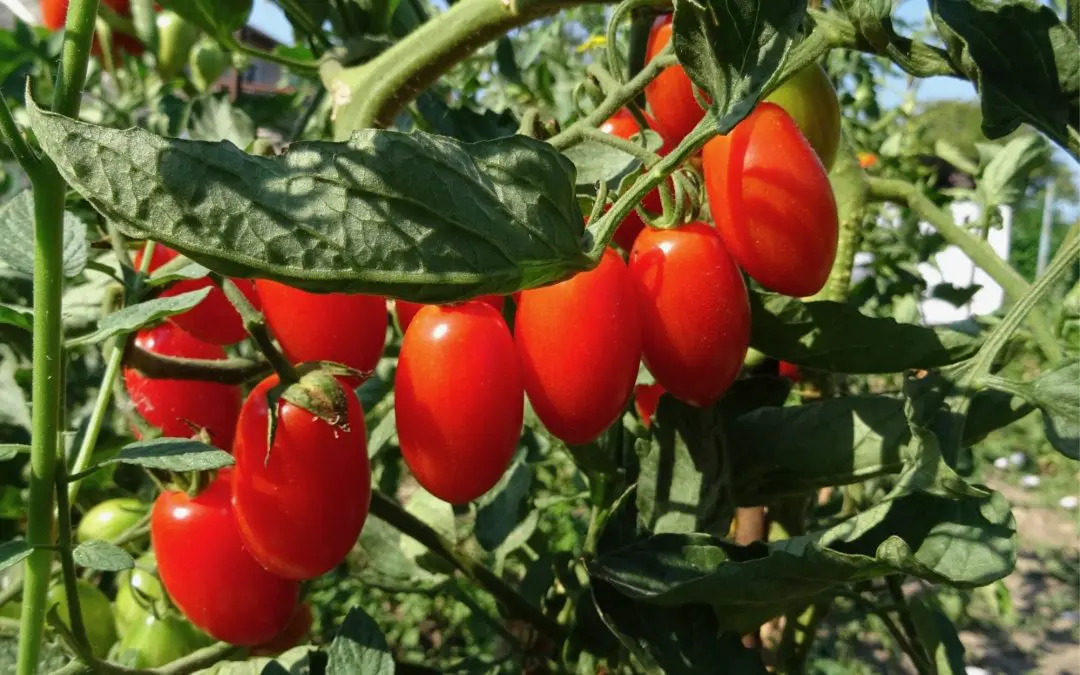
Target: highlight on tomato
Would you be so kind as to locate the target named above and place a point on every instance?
(772, 202)
(623, 125)
(671, 95)
(809, 97)
(180, 408)
(579, 346)
(214, 319)
(695, 313)
(459, 400)
(405, 310)
(301, 503)
(208, 572)
(345, 328)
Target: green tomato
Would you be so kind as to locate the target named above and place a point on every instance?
(139, 594)
(156, 641)
(111, 518)
(808, 96)
(96, 612)
(208, 61)
(176, 37)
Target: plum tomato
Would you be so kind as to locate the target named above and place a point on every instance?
(459, 400)
(808, 96)
(671, 95)
(405, 310)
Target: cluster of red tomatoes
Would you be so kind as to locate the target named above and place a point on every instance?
(291, 508)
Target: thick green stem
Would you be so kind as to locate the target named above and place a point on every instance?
(975, 248)
(849, 186)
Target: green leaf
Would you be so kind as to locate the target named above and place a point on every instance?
(500, 509)
(1005, 178)
(103, 556)
(12, 55)
(173, 454)
(168, 273)
(462, 123)
(220, 18)
(1022, 59)
(837, 337)
(17, 235)
(296, 661)
(1058, 397)
(218, 120)
(14, 552)
(12, 450)
(601, 163)
(964, 543)
(412, 216)
(17, 316)
(733, 48)
(134, 317)
(938, 635)
(379, 560)
(359, 647)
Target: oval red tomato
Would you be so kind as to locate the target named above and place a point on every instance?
(458, 399)
(772, 202)
(579, 345)
(349, 329)
(180, 407)
(671, 95)
(407, 310)
(623, 125)
(695, 314)
(301, 504)
(212, 320)
(646, 401)
(209, 575)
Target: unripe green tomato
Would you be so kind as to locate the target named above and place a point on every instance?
(208, 61)
(138, 591)
(808, 96)
(96, 612)
(156, 641)
(176, 37)
(110, 519)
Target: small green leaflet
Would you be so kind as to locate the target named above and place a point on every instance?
(103, 556)
(359, 647)
(17, 235)
(17, 316)
(14, 552)
(134, 317)
(173, 454)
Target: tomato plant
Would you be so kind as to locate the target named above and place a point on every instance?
(155, 641)
(284, 494)
(180, 408)
(345, 329)
(579, 344)
(772, 202)
(459, 399)
(208, 572)
(139, 594)
(623, 125)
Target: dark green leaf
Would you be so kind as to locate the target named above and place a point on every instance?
(964, 543)
(505, 60)
(836, 337)
(870, 19)
(17, 235)
(465, 124)
(12, 55)
(500, 510)
(185, 270)
(1022, 59)
(412, 216)
(601, 163)
(733, 48)
(220, 18)
(103, 556)
(173, 454)
(134, 317)
(17, 316)
(380, 562)
(991, 410)
(1057, 396)
(359, 647)
(954, 295)
(14, 552)
(296, 661)
(12, 450)
(938, 635)
(1006, 177)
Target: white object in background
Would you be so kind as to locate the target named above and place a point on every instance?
(975, 670)
(1001, 463)
(953, 266)
(1068, 502)
(1030, 481)
(20, 9)
(1018, 459)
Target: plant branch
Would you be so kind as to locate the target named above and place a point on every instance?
(67, 563)
(226, 371)
(390, 511)
(255, 323)
(9, 132)
(1014, 285)
(309, 68)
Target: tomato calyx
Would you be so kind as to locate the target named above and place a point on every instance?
(318, 391)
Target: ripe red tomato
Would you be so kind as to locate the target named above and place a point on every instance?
(671, 95)
(695, 312)
(180, 407)
(579, 345)
(349, 329)
(301, 504)
(407, 310)
(54, 15)
(623, 125)
(458, 399)
(790, 371)
(646, 401)
(209, 575)
(772, 202)
(212, 320)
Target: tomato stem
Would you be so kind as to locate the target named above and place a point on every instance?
(255, 323)
(67, 563)
(234, 370)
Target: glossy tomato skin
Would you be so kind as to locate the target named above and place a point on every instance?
(96, 613)
(213, 320)
(209, 574)
(459, 400)
(405, 310)
(646, 401)
(300, 507)
(808, 96)
(772, 202)
(349, 329)
(623, 125)
(111, 518)
(180, 407)
(695, 313)
(671, 95)
(579, 345)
